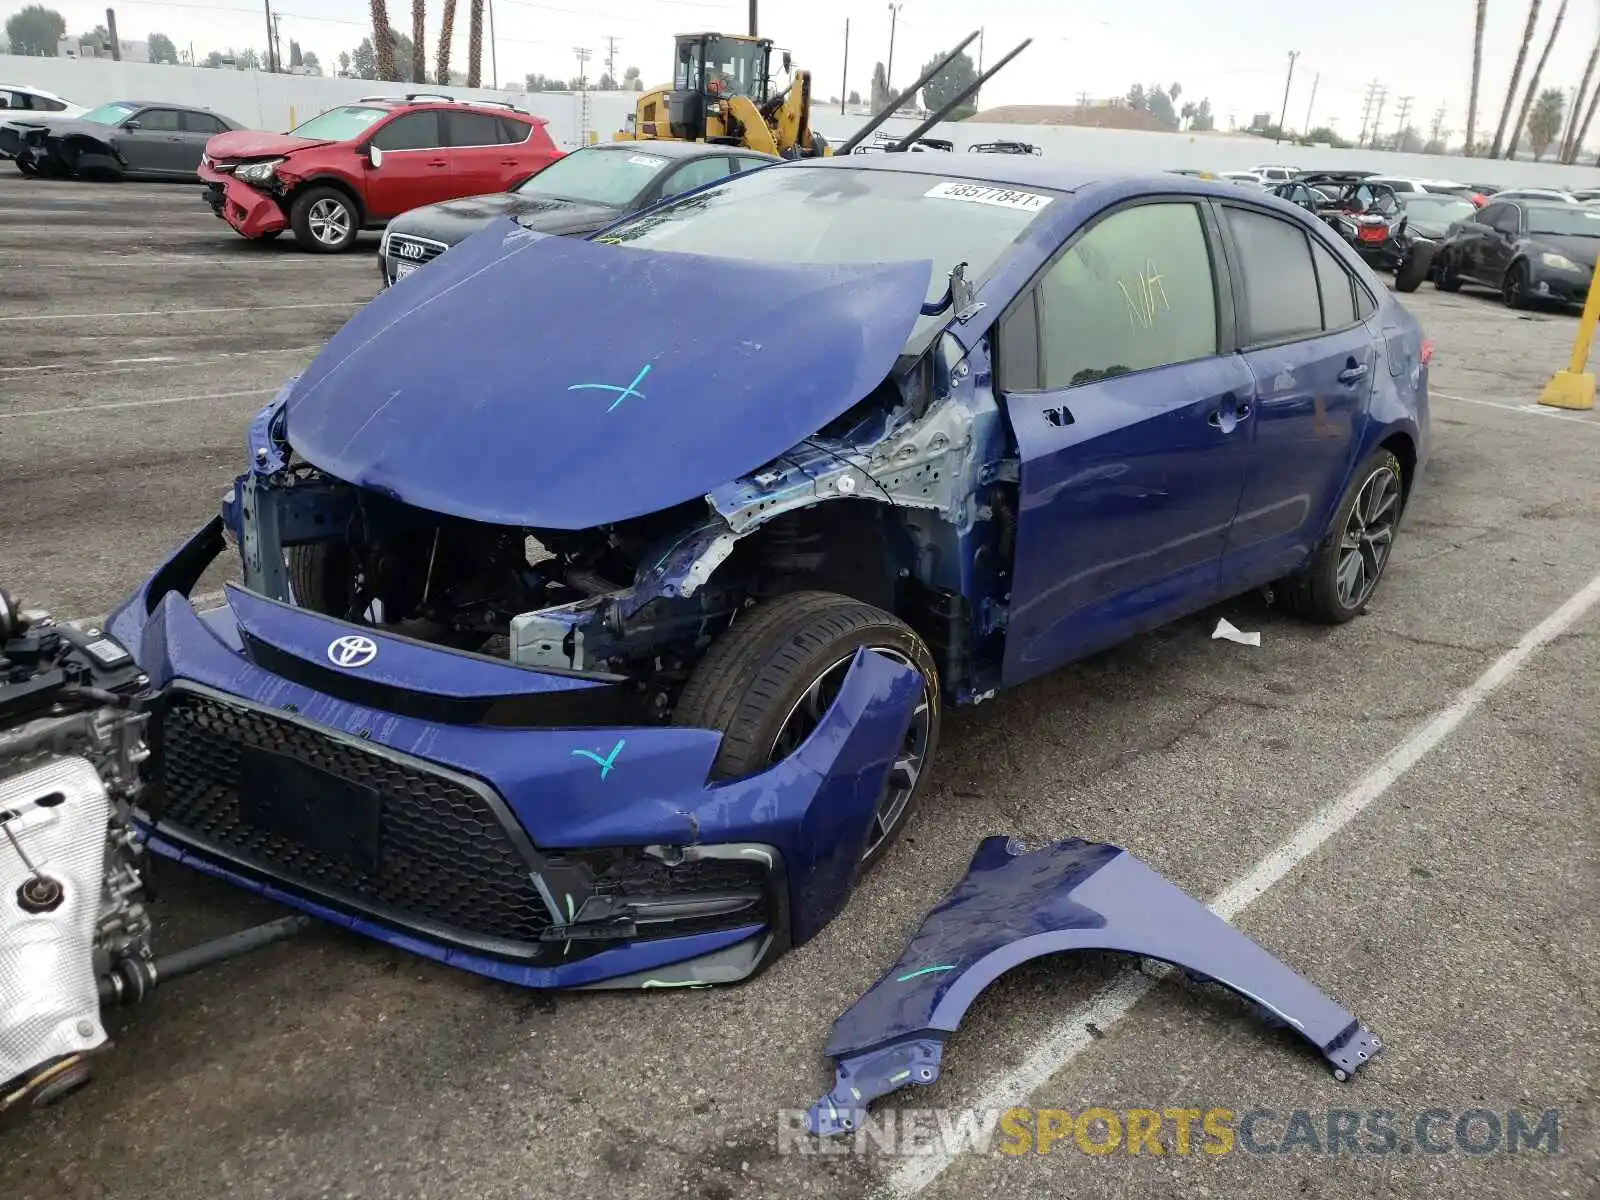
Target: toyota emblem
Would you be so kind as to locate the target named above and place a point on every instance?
(351, 651)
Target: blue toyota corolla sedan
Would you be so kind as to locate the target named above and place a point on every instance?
(602, 599)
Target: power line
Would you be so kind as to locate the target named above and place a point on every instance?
(1400, 129)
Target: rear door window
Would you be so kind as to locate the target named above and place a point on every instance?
(513, 130)
(472, 129)
(1281, 298)
(1135, 291)
(198, 122)
(695, 174)
(1336, 288)
(410, 131)
(164, 120)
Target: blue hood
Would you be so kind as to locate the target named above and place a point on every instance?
(523, 379)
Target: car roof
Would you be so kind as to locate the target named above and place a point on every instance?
(666, 149)
(161, 104)
(1003, 169)
(1544, 204)
(29, 88)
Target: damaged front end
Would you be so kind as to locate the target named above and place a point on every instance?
(460, 656)
(1011, 907)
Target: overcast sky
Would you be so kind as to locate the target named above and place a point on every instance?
(1233, 51)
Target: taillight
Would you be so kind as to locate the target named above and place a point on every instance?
(1427, 351)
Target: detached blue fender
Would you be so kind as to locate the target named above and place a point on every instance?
(1011, 907)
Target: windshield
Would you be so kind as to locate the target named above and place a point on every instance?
(805, 214)
(340, 124)
(110, 114)
(592, 176)
(1439, 208)
(733, 68)
(1562, 221)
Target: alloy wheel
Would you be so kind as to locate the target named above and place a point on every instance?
(329, 221)
(1514, 290)
(1368, 537)
(808, 711)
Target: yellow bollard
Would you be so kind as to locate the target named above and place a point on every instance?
(1574, 387)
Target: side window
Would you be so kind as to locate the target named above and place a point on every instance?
(44, 104)
(1281, 300)
(513, 130)
(695, 174)
(1509, 219)
(413, 131)
(1134, 292)
(198, 122)
(1334, 283)
(749, 164)
(163, 120)
(1365, 305)
(472, 128)
(1489, 214)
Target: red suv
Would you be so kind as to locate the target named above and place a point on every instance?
(355, 166)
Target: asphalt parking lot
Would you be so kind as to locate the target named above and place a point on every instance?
(1447, 891)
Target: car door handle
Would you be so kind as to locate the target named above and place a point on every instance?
(1351, 375)
(438, 162)
(1229, 415)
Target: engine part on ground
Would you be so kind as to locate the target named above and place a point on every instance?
(133, 979)
(71, 893)
(1013, 906)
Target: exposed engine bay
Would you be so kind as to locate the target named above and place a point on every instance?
(637, 601)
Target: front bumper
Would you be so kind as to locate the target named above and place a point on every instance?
(251, 212)
(1567, 287)
(409, 801)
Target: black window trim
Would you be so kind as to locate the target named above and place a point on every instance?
(1246, 346)
(1013, 359)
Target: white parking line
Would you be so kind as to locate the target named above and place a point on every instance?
(1070, 1036)
(1532, 410)
(183, 312)
(77, 408)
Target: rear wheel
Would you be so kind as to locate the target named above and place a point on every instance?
(325, 220)
(1349, 561)
(768, 682)
(1414, 269)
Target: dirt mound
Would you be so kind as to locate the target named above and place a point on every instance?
(1098, 116)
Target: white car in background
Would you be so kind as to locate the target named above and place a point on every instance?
(1536, 193)
(1274, 173)
(17, 97)
(1438, 187)
(1245, 178)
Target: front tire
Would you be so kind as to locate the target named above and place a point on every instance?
(1408, 278)
(324, 220)
(768, 681)
(1515, 288)
(1350, 560)
(1444, 276)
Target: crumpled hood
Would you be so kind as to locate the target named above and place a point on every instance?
(455, 220)
(525, 379)
(256, 143)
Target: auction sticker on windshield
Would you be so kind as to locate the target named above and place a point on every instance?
(645, 160)
(977, 193)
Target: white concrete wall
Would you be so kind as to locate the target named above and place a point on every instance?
(267, 101)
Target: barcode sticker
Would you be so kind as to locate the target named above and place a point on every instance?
(977, 193)
(645, 160)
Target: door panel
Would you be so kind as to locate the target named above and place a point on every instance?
(1312, 384)
(1132, 447)
(157, 145)
(476, 153)
(1128, 488)
(416, 167)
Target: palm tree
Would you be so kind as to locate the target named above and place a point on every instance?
(382, 43)
(419, 56)
(1569, 149)
(475, 44)
(1533, 82)
(1477, 74)
(1583, 129)
(444, 40)
(1516, 78)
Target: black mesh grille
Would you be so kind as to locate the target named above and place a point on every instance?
(639, 876)
(445, 860)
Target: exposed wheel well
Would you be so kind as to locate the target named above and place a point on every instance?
(327, 181)
(1403, 448)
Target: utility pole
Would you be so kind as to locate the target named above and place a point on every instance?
(276, 49)
(888, 71)
(611, 58)
(1377, 119)
(844, 84)
(583, 53)
(111, 31)
(1314, 84)
(1400, 132)
(752, 18)
(494, 57)
(268, 5)
(1366, 112)
(1287, 83)
(1438, 128)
